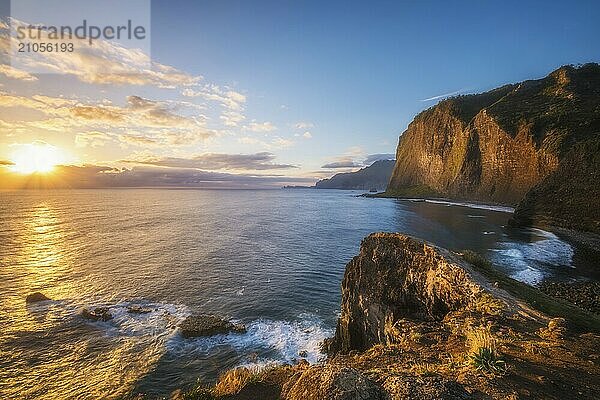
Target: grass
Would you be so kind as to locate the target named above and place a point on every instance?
(487, 360)
(229, 383)
(488, 304)
(579, 319)
(424, 369)
(232, 381)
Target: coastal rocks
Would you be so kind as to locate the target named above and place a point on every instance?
(329, 382)
(36, 297)
(396, 277)
(97, 314)
(585, 295)
(208, 325)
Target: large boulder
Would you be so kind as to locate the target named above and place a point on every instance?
(208, 325)
(330, 382)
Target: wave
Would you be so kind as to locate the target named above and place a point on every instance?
(530, 262)
(489, 207)
(284, 341)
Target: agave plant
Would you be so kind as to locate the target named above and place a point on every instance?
(486, 360)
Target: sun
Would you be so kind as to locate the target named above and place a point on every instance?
(32, 158)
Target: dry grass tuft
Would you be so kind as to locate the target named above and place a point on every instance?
(424, 369)
(233, 381)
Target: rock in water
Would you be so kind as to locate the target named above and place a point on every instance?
(208, 325)
(328, 382)
(36, 297)
(138, 310)
(97, 314)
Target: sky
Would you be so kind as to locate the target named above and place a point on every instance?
(266, 93)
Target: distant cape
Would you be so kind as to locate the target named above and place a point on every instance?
(374, 177)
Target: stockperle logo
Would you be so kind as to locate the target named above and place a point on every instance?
(54, 36)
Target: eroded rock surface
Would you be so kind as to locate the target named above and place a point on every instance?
(396, 277)
(97, 314)
(330, 382)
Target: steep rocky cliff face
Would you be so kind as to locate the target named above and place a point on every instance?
(570, 196)
(497, 145)
(396, 277)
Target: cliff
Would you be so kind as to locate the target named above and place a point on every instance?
(496, 146)
(376, 176)
(396, 277)
(569, 197)
(420, 322)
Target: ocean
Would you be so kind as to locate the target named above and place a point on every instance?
(271, 259)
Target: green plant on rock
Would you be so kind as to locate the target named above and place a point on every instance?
(487, 360)
(483, 353)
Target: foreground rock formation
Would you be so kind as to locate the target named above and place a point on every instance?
(499, 145)
(428, 283)
(419, 322)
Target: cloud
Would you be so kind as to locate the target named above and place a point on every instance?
(104, 63)
(354, 158)
(5, 163)
(232, 118)
(217, 161)
(342, 164)
(228, 98)
(371, 158)
(442, 96)
(95, 176)
(351, 158)
(260, 126)
(98, 113)
(15, 73)
(141, 122)
(303, 125)
(92, 139)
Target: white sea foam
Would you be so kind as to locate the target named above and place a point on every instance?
(530, 261)
(162, 319)
(473, 205)
(287, 340)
